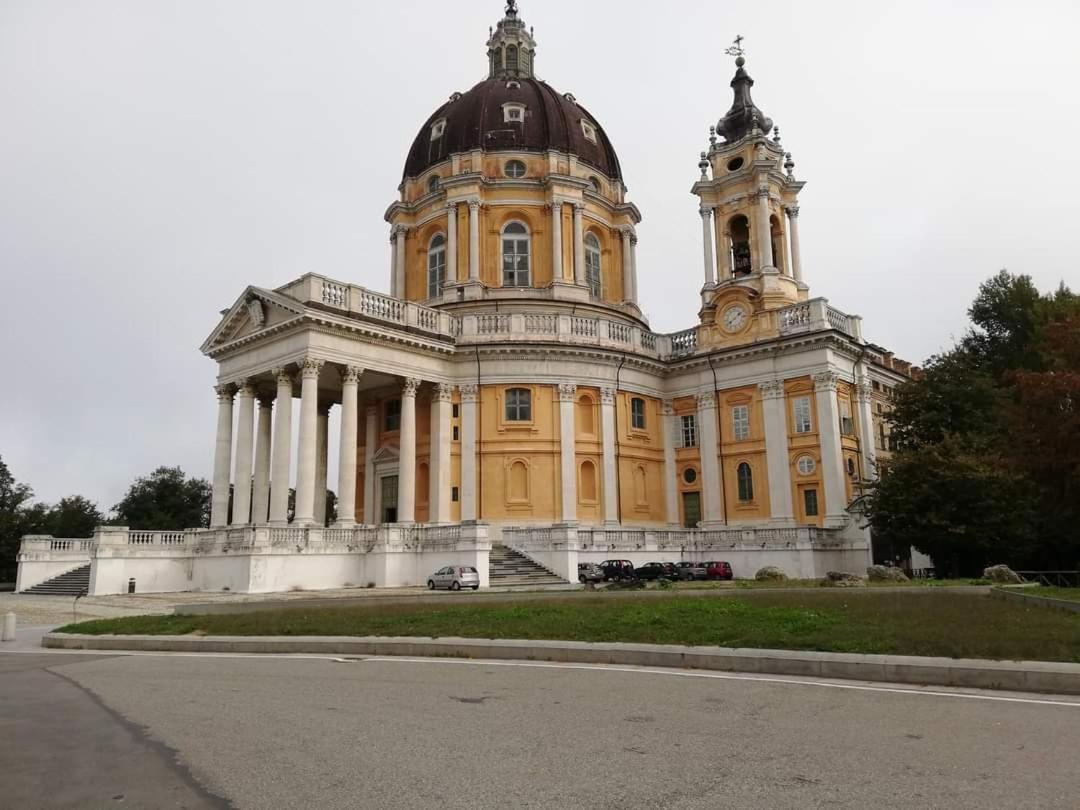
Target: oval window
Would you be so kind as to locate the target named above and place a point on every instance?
(807, 465)
(689, 475)
(515, 168)
(735, 164)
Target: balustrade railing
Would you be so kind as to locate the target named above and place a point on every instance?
(584, 327)
(542, 324)
(684, 343)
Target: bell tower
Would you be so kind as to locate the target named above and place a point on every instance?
(749, 207)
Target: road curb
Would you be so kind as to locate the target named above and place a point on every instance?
(1035, 601)
(1017, 676)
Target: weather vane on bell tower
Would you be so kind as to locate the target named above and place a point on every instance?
(737, 49)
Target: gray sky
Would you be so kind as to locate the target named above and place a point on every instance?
(156, 156)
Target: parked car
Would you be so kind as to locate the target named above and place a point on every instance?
(589, 572)
(657, 570)
(454, 577)
(691, 570)
(617, 570)
(719, 570)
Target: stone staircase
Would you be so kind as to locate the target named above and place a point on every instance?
(512, 569)
(71, 583)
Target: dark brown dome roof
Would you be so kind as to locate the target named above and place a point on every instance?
(475, 120)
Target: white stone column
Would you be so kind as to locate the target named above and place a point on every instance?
(407, 453)
(708, 237)
(307, 452)
(723, 253)
(712, 487)
(864, 392)
(393, 262)
(371, 427)
(764, 229)
(245, 441)
(611, 472)
(633, 267)
(400, 233)
(793, 236)
(322, 453)
(557, 270)
(451, 242)
(579, 243)
(627, 265)
(281, 457)
(346, 495)
(474, 240)
(777, 456)
(439, 497)
(832, 462)
(219, 508)
(470, 394)
(568, 451)
(260, 497)
(671, 469)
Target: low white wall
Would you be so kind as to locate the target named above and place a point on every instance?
(34, 572)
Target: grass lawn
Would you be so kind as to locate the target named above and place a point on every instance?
(918, 622)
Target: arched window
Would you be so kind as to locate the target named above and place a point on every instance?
(436, 264)
(518, 405)
(592, 264)
(745, 478)
(777, 239)
(586, 422)
(587, 486)
(515, 249)
(597, 187)
(741, 260)
(433, 184)
(512, 58)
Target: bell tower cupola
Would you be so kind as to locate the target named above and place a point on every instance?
(511, 47)
(749, 204)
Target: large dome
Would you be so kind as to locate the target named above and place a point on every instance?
(477, 120)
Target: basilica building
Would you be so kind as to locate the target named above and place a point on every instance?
(506, 391)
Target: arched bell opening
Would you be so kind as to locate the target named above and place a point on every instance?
(741, 260)
(776, 234)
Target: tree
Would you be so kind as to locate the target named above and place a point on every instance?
(18, 517)
(988, 462)
(74, 517)
(167, 500)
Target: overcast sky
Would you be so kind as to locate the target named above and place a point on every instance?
(157, 156)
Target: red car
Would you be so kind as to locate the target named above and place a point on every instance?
(719, 570)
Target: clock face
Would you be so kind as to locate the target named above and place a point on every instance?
(735, 318)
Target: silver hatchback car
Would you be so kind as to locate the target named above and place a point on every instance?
(454, 577)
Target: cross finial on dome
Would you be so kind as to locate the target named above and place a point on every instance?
(737, 50)
(511, 8)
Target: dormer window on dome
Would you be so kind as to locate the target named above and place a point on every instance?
(513, 112)
(588, 130)
(437, 129)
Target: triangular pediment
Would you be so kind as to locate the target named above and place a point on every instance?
(256, 310)
(385, 454)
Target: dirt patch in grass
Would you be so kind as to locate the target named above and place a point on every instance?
(916, 622)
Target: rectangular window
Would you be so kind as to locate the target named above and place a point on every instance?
(455, 494)
(518, 405)
(740, 418)
(457, 434)
(637, 413)
(455, 410)
(810, 502)
(392, 414)
(688, 433)
(847, 426)
(802, 414)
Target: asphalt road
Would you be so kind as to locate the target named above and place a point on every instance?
(170, 731)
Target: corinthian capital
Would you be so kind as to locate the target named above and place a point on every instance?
(792, 211)
(225, 392)
(826, 381)
(470, 392)
(567, 392)
(443, 392)
(409, 386)
(773, 389)
(351, 375)
(706, 400)
(310, 368)
(607, 396)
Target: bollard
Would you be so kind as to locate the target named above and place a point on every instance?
(9, 628)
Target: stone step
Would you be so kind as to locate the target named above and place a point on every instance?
(70, 583)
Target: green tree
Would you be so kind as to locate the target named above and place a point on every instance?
(18, 517)
(987, 468)
(73, 517)
(166, 499)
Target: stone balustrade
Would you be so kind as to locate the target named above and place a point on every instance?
(471, 329)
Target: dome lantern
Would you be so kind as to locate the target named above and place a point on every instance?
(511, 47)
